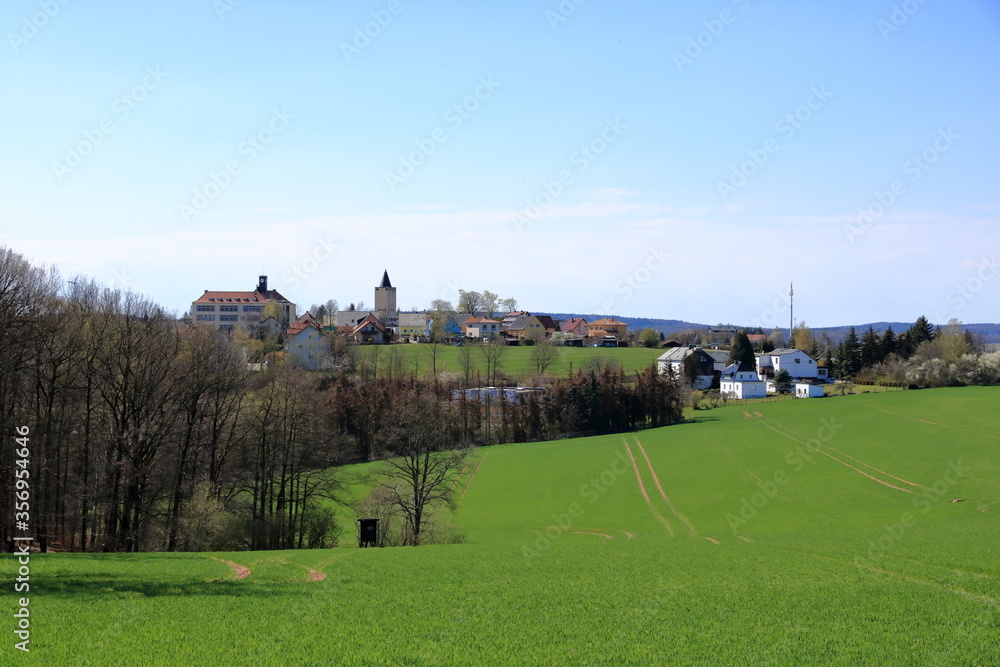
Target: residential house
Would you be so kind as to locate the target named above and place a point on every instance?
(672, 361)
(551, 326)
(228, 311)
(800, 366)
(576, 327)
(481, 327)
(741, 381)
(306, 345)
(607, 326)
(720, 359)
(412, 325)
(525, 326)
(370, 330)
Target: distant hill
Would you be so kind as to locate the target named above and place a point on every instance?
(989, 332)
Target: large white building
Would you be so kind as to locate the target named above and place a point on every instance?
(798, 364)
(228, 311)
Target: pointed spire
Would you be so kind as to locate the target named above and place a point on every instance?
(385, 279)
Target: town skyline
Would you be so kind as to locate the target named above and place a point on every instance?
(674, 162)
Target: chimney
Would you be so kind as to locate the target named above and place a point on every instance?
(262, 284)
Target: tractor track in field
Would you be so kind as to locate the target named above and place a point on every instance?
(856, 460)
(458, 477)
(843, 463)
(314, 575)
(927, 421)
(242, 571)
(584, 532)
(469, 481)
(642, 487)
(680, 517)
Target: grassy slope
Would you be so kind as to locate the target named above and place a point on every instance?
(792, 594)
(516, 361)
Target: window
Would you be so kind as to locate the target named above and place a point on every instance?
(253, 309)
(229, 318)
(228, 309)
(206, 309)
(206, 318)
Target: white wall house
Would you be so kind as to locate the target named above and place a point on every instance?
(798, 364)
(806, 390)
(739, 381)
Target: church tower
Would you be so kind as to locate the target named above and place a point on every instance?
(385, 302)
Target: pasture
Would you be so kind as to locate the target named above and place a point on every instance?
(800, 531)
(516, 360)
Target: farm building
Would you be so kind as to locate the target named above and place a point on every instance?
(806, 390)
(673, 361)
(741, 381)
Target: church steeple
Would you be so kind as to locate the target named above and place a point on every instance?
(385, 279)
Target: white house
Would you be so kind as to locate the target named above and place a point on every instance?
(806, 390)
(798, 364)
(739, 381)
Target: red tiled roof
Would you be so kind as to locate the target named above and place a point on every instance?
(573, 324)
(369, 319)
(605, 321)
(231, 297)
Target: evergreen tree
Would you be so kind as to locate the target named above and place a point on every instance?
(888, 342)
(783, 381)
(849, 354)
(920, 331)
(742, 350)
(871, 348)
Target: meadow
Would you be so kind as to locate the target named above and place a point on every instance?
(794, 532)
(516, 360)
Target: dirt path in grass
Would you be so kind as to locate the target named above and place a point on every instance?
(680, 517)
(458, 477)
(642, 487)
(466, 487)
(242, 572)
(843, 463)
(713, 540)
(314, 575)
(583, 532)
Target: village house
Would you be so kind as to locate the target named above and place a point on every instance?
(306, 345)
(741, 381)
(525, 326)
(370, 330)
(672, 361)
(576, 327)
(607, 326)
(800, 366)
(481, 327)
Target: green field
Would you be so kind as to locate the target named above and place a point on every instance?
(811, 531)
(516, 359)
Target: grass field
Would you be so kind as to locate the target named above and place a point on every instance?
(516, 360)
(812, 531)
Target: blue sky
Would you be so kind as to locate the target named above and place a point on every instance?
(680, 162)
